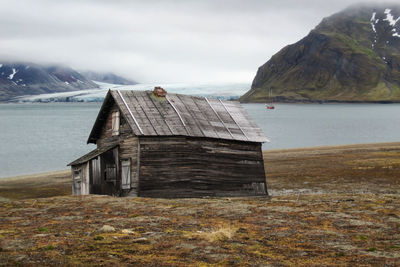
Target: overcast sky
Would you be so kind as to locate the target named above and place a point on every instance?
(159, 41)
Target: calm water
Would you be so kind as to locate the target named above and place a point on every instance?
(45, 137)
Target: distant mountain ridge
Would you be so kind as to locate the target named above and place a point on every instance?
(351, 56)
(107, 77)
(18, 79)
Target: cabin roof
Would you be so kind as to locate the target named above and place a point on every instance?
(92, 154)
(176, 114)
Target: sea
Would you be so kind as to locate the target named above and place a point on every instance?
(42, 137)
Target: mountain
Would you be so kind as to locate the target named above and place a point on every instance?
(107, 77)
(351, 56)
(18, 79)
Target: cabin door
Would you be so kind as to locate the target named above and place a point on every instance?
(77, 184)
(110, 182)
(95, 176)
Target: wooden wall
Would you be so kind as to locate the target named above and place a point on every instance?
(128, 146)
(80, 182)
(179, 166)
(106, 136)
(99, 170)
(194, 167)
(128, 149)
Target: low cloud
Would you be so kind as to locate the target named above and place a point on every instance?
(158, 41)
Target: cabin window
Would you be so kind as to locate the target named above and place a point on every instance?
(77, 174)
(126, 174)
(110, 174)
(115, 123)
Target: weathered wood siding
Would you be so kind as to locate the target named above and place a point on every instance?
(128, 146)
(128, 149)
(193, 167)
(80, 182)
(106, 137)
(104, 173)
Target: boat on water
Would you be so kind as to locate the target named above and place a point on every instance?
(270, 104)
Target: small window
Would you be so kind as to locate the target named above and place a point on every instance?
(110, 173)
(115, 123)
(77, 174)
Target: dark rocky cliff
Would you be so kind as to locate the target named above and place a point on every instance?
(352, 56)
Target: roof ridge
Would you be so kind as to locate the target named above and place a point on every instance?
(179, 115)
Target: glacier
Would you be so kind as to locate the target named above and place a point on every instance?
(228, 91)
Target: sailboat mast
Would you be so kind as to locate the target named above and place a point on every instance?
(270, 94)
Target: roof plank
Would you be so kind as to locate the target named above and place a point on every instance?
(175, 114)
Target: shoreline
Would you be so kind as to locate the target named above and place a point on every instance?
(33, 175)
(359, 147)
(309, 170)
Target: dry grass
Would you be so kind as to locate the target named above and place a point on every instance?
(220, 233)
(336, 206)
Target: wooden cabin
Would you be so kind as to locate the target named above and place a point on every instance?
(156, 144)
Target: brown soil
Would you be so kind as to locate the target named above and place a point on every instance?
(328, 206)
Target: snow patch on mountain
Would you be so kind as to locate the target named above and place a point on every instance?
(11, 76)
(373, 27)
(390, 18)
(373, 16)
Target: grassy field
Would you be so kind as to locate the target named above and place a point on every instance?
(328, 206)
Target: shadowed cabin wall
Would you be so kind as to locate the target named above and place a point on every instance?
(106, 137)
(193, 167)
(128, 144)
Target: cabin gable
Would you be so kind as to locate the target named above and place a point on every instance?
(108, 133)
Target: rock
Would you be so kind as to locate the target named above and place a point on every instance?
(187, 246)
(127, 231)
(217, 257)
(40, 235)
(107, 228)
(21, 257)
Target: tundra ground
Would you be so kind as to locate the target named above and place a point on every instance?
(327, 206)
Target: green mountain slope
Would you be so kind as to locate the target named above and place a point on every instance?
(351, 56)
